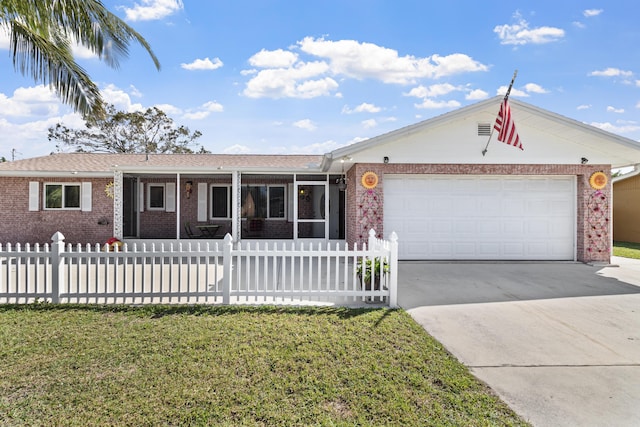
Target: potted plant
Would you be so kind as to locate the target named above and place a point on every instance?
(368, 267)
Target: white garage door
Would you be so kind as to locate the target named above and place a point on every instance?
(469, 217)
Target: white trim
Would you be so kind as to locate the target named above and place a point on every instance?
(63, 184)
(170, 197)
(85, 197)
(140, 199)
(202, 201)
(284, 188)
(164, 198)
(211, 187)
(34, 196)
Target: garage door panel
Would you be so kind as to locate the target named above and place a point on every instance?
(481, 217)
(489, 227)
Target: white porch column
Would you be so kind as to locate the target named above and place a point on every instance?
(117, 204)
(178, 208)
(235, 205)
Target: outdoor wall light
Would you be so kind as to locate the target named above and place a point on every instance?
(188, 188)
(386, 159)
(584, 160)
(342, 181)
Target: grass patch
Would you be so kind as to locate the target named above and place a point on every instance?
(626, 249)
(92, 365)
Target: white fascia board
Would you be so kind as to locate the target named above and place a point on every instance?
(212, 171)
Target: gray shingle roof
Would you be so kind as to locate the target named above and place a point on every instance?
(106, 162)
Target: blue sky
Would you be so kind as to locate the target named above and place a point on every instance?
(276, 77)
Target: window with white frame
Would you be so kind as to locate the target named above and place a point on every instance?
(155, 197)
(220, 202)
(62, 196)
(263, 201)
(277, 201)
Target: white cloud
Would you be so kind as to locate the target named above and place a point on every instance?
(273, 59)
(368, 124)
(119, 98)
(638, 104)
(237, 149)
(302, 81)
(617, 128)
(305, 124)
(611, 109)
(611, 72)
(4, 38)
(213, 106)
(316, 148)
(579, 24)
(284, 74)
(502, 90)
(170, 110)
(203, 64)
(362, 108)
(30, 102)
(432, 91)
(134, 91)
(476, 95)
(150, 10)
(204, 111)
(196, 115)
(434, 105)
(534, 88)
(80, 51)
(588, 13)
(520, 33)
(583, 107)
(367, 60)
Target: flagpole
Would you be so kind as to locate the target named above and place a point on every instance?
(506, 96)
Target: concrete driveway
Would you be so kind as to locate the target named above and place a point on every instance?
(559, 342)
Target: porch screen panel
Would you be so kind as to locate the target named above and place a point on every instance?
(202, 201)
(220, 202)
(253, 202)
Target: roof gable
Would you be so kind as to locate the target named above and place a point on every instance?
(548, 138)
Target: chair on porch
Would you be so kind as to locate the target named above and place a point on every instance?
(254, 227)
(189, 231)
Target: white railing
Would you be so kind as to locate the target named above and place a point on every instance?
(201, 273)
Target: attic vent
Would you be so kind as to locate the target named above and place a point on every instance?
(484, 129)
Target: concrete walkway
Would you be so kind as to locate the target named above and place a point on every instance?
(559, 342)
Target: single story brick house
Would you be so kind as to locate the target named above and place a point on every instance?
(428, 182)
(626, 207)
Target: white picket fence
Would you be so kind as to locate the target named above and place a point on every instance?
(200, 272)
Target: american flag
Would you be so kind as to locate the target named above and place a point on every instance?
(507, 132)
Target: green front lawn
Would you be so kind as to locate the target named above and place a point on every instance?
(78, 366)
(626, 249)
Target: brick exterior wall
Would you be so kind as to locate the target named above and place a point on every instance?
(593, 226)
(364, 208)
(19, 225)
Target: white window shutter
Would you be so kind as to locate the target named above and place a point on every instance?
(290, 202)
(170, 195)
(34, 196)
(202, 201)
(141, 197)
(86, 197)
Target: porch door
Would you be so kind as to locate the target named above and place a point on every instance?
(312, 208)
(130, 207)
